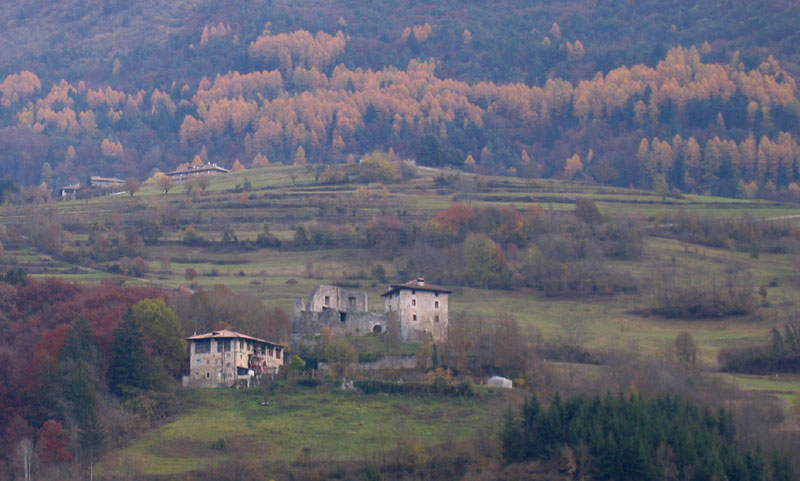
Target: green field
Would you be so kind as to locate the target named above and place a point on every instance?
(282, 197)
(334, 425)
(784, 386)
(342, 426)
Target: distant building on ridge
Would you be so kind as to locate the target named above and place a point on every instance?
(189, 172)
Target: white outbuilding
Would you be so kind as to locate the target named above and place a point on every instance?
(499, 382)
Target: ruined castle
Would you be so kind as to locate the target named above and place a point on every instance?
(418, 310)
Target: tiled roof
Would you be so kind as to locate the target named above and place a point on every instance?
(226, 334)
(418, 284)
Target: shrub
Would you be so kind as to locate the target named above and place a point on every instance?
(192, 237)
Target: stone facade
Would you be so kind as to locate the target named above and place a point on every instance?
(343, 310)
(419, 310)
(337, 299)
(357, 323)
(422, 310)
(220, 358)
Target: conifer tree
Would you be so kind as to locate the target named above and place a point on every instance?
(127, 372)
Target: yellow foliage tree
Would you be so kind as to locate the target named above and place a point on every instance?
(573, 166)
(299, 156)
(555, 31)
(466, 38)
(259, 161)
(111, 148)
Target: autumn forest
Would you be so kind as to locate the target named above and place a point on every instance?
(556, 96)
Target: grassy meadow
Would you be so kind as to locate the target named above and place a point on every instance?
(281, 197)
(338, 425)
(332, 425)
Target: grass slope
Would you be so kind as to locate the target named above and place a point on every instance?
(334, 425)
(284, 196)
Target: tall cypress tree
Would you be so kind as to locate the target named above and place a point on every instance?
(128, 370)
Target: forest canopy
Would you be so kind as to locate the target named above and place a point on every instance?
(685, 112)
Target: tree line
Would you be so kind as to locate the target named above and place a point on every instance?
(88, 367)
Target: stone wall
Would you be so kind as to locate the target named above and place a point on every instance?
(312, 323)
(336, 298)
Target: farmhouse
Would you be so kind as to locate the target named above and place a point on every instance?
(220, 358)
(417, 309)
(68, 192)
(96, 181)
(189, 172)
(422, 309)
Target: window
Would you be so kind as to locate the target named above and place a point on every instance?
(241, 345)
(327, 300)
(219, 346)
(436, 304)
(414, 317)
(413, 292)
(226, 345)
(436, 318)
(413, 302)
(352, 302)
(202, 346)
(436, 294)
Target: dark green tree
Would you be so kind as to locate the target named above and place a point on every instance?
(128, 371)
(91, 436)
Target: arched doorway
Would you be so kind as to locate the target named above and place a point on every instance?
(378, 328)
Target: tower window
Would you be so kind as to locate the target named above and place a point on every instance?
(414, 317)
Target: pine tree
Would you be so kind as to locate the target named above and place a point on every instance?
(128, 371)
(91, 436)
(80, 345)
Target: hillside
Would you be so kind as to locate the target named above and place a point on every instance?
(590, 288)
(286, 232)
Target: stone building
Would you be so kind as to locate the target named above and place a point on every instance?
(220, 358)
(422, 309)
(189, 172)
(417, 309)
(103, 182)
(344, 311)
(337, 299)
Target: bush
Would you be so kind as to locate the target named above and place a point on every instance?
(703, 295)
(191, 237)
(438, 385)
(308, 382)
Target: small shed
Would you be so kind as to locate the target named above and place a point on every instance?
(499, 382)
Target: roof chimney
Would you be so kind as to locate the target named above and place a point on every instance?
(421, 281)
